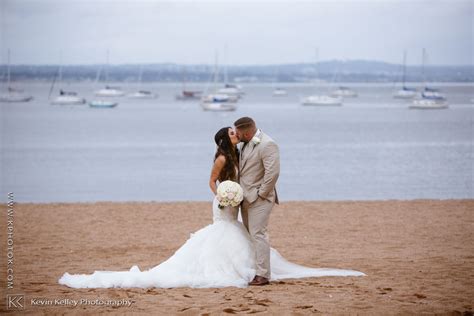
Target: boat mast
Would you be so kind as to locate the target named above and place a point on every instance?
(404, 66)
(225, 66)
(8, 69)
(316, 56)
(107, 68)
(216, 69)
(184, 78)
(423, 56)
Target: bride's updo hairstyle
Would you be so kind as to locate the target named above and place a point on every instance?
(229, 151)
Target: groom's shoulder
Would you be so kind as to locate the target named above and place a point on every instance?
(268, 143)
(267, 139)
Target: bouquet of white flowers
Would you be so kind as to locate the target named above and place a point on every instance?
(229, 193)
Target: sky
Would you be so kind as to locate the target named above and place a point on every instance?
(241, 32)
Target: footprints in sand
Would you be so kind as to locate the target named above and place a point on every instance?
(384, 290)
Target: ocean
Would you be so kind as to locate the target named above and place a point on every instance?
(372, 148)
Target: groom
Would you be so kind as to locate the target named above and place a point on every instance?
(259, 168)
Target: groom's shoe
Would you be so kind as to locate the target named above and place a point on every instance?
(259, 280)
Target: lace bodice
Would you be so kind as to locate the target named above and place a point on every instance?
(227, 213)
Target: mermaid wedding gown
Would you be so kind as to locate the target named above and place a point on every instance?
(218, 255)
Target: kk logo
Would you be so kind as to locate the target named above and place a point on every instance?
(15, 301)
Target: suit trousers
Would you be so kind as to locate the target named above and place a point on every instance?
(255, 217)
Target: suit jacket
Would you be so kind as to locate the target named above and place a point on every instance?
(259, 168)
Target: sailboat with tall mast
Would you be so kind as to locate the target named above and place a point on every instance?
(141, 93)
(233, 90)
(218, 101)
(277, 90)
(64, 97)
(430, 98)
(109, 91)
(405, 92)
(187, 94)
(13, 94)
(320, 99)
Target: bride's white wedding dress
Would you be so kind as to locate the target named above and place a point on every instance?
(218, 255)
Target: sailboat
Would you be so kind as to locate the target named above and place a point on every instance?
(344, 92)
(278, 91)
(430, 98)
(405, 92)
(13, 94)
(102, 103)
(320, 99)
(232, 90)
(64, 97)
(187, 94)
(142, 94)
(108, 91)
(218, 101)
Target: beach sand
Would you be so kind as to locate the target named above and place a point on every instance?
(418, 256)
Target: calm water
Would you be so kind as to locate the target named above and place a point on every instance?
(373, 147)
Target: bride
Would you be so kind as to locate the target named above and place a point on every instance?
(218, 255)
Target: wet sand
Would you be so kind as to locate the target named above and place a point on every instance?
(418, 257)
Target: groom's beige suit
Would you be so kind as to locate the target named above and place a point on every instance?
(259, 169)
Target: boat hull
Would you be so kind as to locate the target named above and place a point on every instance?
(218, 107)
(102, 104)
(15, 98)
(109, 93)
(68, 100)
(322, 101)
(429, 105)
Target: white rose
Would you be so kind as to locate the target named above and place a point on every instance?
(256, 140)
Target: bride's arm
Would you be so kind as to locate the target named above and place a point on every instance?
(215, 172)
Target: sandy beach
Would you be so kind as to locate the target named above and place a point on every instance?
(418, 256)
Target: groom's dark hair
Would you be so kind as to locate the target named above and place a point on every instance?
(244, 123)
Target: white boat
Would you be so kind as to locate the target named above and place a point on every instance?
(103, 104)
(219, 101)
(279, 92)
(432, 92)
(430, 98)
(344, 92)
(13, 94)
(405, 92)
(428, 104)
(322, 100)
(68, 98)
(231, 90)
(218, 106)
(109, 91)
(220, 97)
(142, 94)
(64, 97)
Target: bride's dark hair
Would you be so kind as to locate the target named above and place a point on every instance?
(229, 151)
